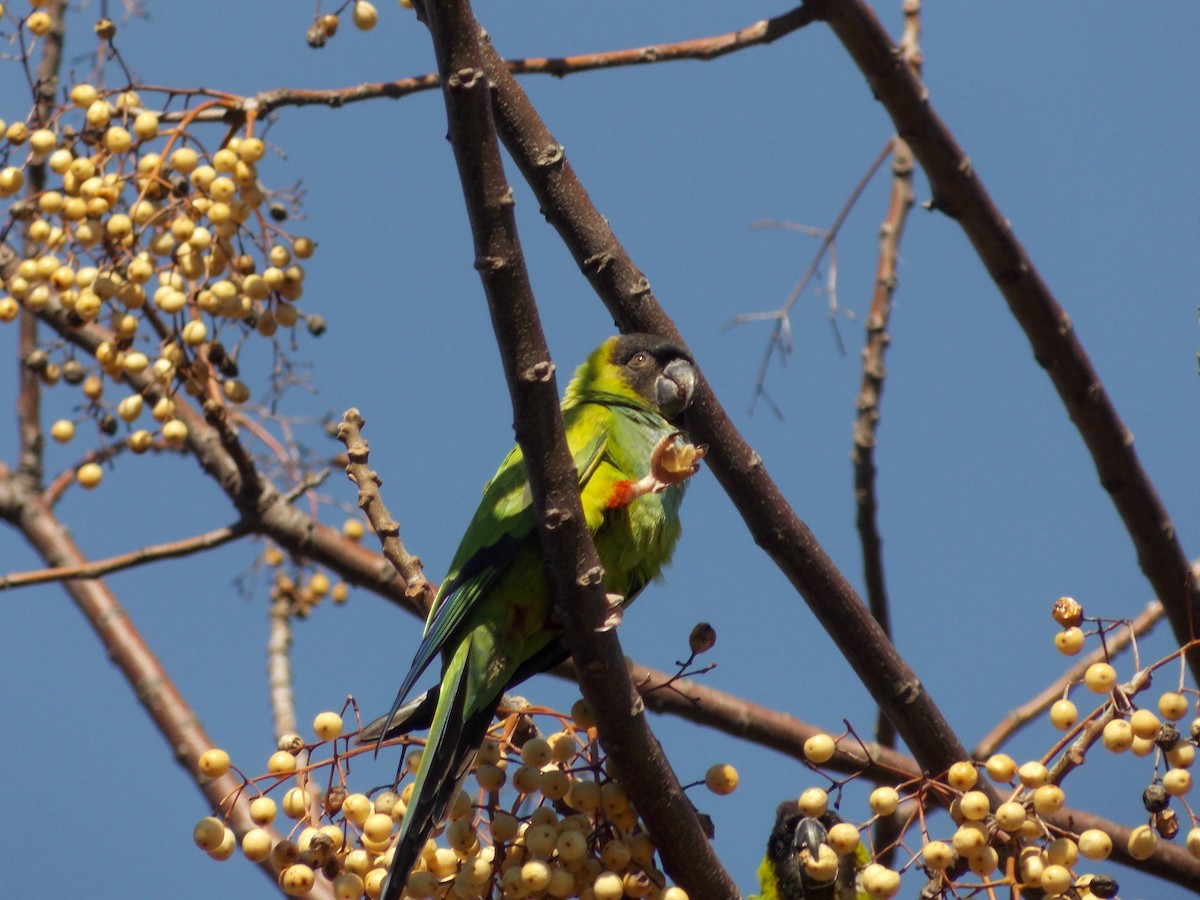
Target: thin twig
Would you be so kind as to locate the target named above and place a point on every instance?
(152, 553)
(419, 590)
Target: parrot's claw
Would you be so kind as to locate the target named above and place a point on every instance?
(616, 612)
(670, 464)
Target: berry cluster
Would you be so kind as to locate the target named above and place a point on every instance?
(546, 818)
(1018, 843)
(135, 223)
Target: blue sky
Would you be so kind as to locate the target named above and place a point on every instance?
(1080, 120)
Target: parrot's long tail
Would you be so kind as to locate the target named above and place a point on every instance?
(454, 738)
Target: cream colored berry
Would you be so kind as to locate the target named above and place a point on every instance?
(209, 833)
(297, 880)
(1048, 799)
(174, 432)
(263, 810)
(814, 802)
(89, 474)
(1056, 879)
(1145, 724)
(1177, 782)
(1033, 774)
(721, 779)
(1100, 678)
(1095, 844)
(975, 805)
(327, 726)
(1142, 842)
(819, 749)
(1173, 705)
(884, 800)
(843, 838)
(281, 763)
(256, 844)
(962, 776)
(213, 763)
(1010, 815)
(1118, 736)
(1000, 767)
(938, 855)
(1063, 715)
(365, 16)
(62, 430)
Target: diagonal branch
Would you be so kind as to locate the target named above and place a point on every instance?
(961, 194)
(142, 669)
(576, 576)
(774, 525)
(152, 553)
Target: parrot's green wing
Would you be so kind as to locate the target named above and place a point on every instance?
(502, 522)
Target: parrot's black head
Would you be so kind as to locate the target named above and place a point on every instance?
(658, 369)
(795, 832)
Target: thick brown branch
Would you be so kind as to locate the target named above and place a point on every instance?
(152, 684)
(575, 574)
(961, 194)
(772, 522)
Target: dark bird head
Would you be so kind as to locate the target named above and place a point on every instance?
(645, 370)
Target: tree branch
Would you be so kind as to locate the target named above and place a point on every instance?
(961, 194)
(774, 525)
(574, 569)
(152, 553)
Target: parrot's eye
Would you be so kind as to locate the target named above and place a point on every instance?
(640, 360)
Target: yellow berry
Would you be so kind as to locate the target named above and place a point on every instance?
(209, 833)
(819, 749)
(1033, 774)
(814, 802)
(1048, 799)
(721, 779)
(1000, 767)
(39, 23)
(263, 810)
(281, 763)
(62, 430)
(297, 880)
(938, 855)
(1010, 815)
(365, 15)
(327, 726)
(1056, 879)
(214, 763)
(962, 776)
(1173, 705)
(1177, 782)
(1095, 844)
(884, 800)
(256, 844)
(89, 475)
(975, 805)
(1118, 736)
(1063, 715)
(1100, 678)
(174, 432)
(1142, 841)
(356, 808)
(1145, 724)
(1193, 843)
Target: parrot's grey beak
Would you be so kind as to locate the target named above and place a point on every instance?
(810, 835)
(675, 387)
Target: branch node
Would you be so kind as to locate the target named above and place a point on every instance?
(541, 372)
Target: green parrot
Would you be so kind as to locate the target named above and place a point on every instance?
(491, 620)
(786, 871)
